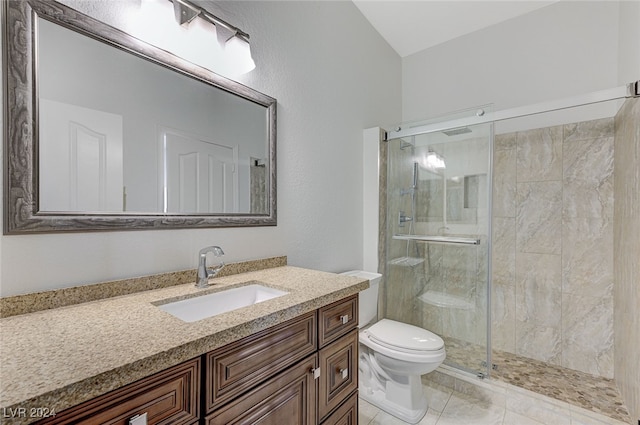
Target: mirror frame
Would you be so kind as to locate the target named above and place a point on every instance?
(20, 144)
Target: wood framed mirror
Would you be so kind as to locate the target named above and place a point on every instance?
(103, 131)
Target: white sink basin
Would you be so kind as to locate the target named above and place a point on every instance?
(203, 306)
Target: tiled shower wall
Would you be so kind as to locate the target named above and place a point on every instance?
(552, 277)
(626, 254)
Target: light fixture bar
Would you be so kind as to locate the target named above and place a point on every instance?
(194, 11)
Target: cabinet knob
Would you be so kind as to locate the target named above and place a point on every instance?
(344, 319)
(344, 372)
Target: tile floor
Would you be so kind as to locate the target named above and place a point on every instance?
(459, 399)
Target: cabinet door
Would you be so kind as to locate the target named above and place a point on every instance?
(339, 373)
(347, 414)
(238, 367)
(289, 398)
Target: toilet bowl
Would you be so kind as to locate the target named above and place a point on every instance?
(393, 356)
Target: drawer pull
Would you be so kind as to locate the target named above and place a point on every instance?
(344, 319)
(139, 419)
(315, 372)
(344, 373)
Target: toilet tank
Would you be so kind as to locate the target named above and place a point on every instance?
(367, 299)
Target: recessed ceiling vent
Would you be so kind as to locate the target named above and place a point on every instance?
(456, 131)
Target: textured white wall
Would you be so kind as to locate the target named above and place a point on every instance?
(333, 76)
(565, 49)
(629, 46)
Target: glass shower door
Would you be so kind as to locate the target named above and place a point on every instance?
(437, 250)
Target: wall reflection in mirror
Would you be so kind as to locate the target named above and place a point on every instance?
(121, 134)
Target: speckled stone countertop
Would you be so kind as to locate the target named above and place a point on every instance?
(58, 358)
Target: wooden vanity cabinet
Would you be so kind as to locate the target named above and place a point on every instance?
(300, 372)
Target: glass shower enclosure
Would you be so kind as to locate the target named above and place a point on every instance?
(437, 253)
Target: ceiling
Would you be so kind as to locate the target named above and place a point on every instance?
(411, 26)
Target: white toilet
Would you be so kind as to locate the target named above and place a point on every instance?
(393, 356)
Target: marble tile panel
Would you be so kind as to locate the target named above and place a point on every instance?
(481, 394)
(538, 410)
(587, 334)
(431, 318)
(465, 409)
(588, 178)
(366, 412)
(438, 378)
(504, 183)
(539, 342)
(589, 129)
(540, 308)
(627, 252)
(383, 418)
(459, 324)
(504, 141)
(503, 256)
(538, 272)
(539, 154)
(503, 317)
(513, 418)
(539, 217)
(587, 257)
(438, 395)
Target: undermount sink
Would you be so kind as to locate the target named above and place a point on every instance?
(203, 306)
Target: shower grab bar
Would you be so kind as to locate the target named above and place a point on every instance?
(438, 239)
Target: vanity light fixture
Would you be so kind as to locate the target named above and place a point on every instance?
(236, 49)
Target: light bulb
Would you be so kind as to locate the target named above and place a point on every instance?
(238, 54)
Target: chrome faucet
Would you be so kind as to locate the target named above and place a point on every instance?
(205, 273)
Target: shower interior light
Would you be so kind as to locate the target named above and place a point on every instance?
(433, 161)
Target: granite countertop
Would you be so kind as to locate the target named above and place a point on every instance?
(58, 358)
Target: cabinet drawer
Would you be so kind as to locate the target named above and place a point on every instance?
(287, 399)
(337, 319)
(235, 368)
(347, 414)
(168, 397)
(339, 373)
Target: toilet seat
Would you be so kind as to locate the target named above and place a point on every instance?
(403, 342)
(404, 337)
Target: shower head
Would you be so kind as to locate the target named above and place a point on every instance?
(414, 181)
(456, 131)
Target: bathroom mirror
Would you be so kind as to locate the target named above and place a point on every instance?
(106, 132)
